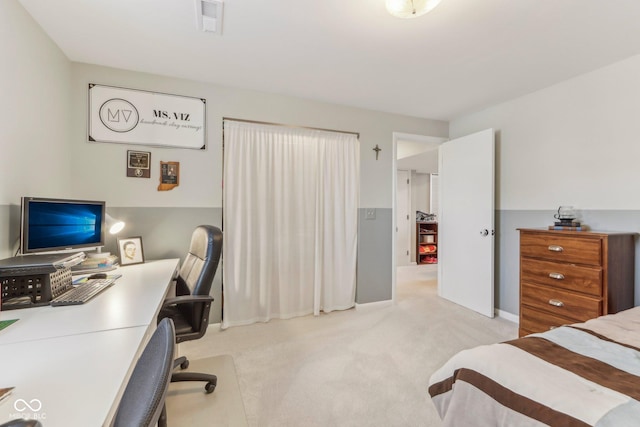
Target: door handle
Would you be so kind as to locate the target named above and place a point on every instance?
(484, 232)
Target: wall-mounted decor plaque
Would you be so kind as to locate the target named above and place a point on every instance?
(138, 164)
(130, 116)
(169, 175)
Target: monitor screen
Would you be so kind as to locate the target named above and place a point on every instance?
(59, 224)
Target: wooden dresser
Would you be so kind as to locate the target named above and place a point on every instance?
(573, 276)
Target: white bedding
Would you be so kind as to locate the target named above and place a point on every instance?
(585, 374)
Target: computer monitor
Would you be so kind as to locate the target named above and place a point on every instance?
(51, 225)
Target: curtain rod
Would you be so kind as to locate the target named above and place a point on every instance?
(290, 126)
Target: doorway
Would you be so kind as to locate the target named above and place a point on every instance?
(415, 158)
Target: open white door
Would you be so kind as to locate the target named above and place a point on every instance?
(403, 232)
(466, 221)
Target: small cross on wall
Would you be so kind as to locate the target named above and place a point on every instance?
(377, 150)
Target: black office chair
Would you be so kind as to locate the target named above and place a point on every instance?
(142, 403)
(189, 309)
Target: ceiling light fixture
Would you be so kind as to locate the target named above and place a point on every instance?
(209, 15)
(410, 8)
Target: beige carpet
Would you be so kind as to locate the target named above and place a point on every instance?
(362, 367)
(189, 405)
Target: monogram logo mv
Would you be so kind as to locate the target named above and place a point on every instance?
(119, 115)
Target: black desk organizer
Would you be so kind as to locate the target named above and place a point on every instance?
(33, 280)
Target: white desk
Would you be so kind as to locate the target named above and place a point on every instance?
(69, 381)
(76, 360)
(133, 300)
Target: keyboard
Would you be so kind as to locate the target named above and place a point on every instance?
(82, 293)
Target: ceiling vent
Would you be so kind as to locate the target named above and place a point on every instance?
(209, 16)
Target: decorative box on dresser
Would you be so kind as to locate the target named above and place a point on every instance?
(573, 276)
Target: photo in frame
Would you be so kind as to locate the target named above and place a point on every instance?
(169, 175)
(130, 250)
(138, 164)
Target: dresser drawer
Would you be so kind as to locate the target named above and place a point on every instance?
(533, 321)
(557, 247)
(573, 277)
(578, 308)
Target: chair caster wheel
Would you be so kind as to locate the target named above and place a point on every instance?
(209, 387)
(184, 365)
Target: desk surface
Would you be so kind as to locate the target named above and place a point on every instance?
(69, 381)
(75, 361)
(133, 300)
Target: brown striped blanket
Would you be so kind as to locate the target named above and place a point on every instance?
(585, 374)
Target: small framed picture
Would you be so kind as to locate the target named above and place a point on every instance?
(130, 250)
(138, 164)
(170, 173)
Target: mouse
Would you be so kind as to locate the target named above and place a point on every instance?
(98, 276)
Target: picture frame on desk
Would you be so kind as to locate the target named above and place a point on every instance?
(130, 250)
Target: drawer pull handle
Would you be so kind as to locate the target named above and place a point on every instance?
(557, 276)
(556, 248)
(556, 303)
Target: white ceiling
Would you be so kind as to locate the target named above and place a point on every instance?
(462, 57)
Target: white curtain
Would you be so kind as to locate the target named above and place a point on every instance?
(290, 222)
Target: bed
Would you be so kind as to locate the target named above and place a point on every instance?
(585, 374)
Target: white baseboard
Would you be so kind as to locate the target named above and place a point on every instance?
(508, 316)
(376, 304)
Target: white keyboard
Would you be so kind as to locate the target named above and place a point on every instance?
(82, 293)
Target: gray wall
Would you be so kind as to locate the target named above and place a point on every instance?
(34, 116)
(508, 241)
(375, 238)
(9, 229)
(575, 143)
(99, 168)
(46, 153)
(166, 233)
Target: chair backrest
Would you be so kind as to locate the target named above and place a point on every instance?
(142, 403)
(198, 269)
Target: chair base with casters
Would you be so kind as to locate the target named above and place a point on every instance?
(211, 380)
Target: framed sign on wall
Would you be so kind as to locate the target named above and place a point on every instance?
(130, 116)
(169, 175)
(138, 164)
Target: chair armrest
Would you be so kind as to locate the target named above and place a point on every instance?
(197, 320)
(186, 299)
